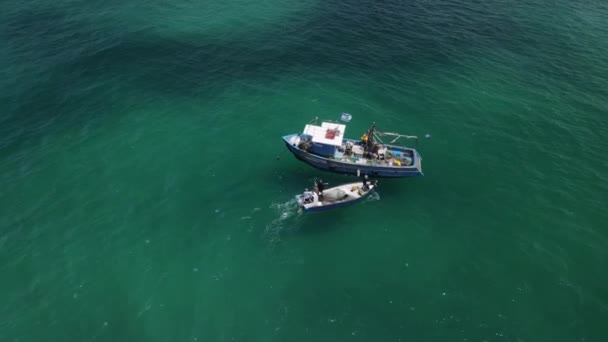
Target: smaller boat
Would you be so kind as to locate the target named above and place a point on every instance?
(337, 196)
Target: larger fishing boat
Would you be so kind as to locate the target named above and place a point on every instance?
(325, 147)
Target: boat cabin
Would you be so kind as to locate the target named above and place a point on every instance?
(323, 140)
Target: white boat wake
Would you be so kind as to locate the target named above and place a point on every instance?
(288, 212)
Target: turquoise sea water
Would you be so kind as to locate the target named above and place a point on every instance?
(141, 198)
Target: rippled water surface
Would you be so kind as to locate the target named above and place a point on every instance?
(141, 198)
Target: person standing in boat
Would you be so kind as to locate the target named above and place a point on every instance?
(364, 179)
(320, 188)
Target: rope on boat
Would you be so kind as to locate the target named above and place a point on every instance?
(396, 135)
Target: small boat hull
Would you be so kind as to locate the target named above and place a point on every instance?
(341, 167)
(347, 194)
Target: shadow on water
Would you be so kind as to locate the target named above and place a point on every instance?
(324, 222)
(312, 224)
(330, 221)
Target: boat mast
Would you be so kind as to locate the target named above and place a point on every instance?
(369, 143)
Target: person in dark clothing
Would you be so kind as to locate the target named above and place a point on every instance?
(364, 179)
(320, 187)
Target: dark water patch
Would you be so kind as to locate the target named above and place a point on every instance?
(80, 60)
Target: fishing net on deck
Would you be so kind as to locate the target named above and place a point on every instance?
(335, 194)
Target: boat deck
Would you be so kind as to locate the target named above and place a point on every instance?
(389, 156)
(341, 194)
